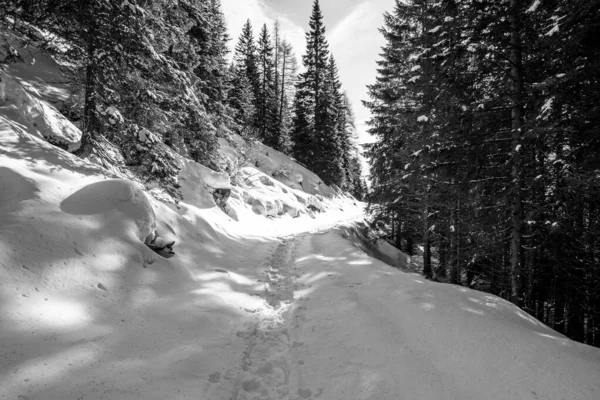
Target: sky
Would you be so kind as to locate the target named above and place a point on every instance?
(352, 32)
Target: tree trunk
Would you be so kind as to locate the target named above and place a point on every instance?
(90, 123)
(443, 257)
(277, 48)
(455, 270)
(398, 243)
(453, 247)
(458, 248)
(516, 171)
(559, 302)
(282, 94)
(410, 246)
(392, 217)
(426, 242)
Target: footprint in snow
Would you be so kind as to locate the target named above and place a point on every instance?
(304, 393)
(266, 368)
(102, 287)
(224, 271)
(251, 385)
(215, 377)
(77, 251)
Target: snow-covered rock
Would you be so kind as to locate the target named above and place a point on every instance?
(214, 179)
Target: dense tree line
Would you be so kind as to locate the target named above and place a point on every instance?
(306, 115)
(488, 151)
(151, 80)
(323, 119)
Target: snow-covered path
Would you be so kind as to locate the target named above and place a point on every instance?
(306, 317)
(345, 326)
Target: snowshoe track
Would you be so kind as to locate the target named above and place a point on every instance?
(267, 367)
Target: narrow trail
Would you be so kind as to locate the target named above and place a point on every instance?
(268, 366)
(341, 325)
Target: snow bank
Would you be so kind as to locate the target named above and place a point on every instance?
(357, 233)
(363, 330)
(397, 257)
(120, 197)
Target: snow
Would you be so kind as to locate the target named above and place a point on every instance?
(114, 113)
(423, 118)
(534, 6)
(555, 29)
(277, 165)
(547, 107)
(254, 305)
(145, 136)
(555, 25)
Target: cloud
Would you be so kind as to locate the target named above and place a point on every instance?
(355, 43)
(361, 20)
(238, 11)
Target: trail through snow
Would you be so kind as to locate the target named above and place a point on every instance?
(342, 325)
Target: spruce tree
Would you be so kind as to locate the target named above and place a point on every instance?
(266, 101)
(287, 88)
(242, 102)
(246, 57)
(315, 137)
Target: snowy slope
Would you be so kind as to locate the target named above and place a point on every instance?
(365, 331)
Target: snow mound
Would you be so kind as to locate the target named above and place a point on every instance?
(357, 233)
(194, 179)
(117, 196)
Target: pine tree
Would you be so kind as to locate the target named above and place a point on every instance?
(246, 57)
(266, 101)
(287, 88)
(315, 134)
(241, 100)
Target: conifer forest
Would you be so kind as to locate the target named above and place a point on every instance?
(485, 116)
(487, 121)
